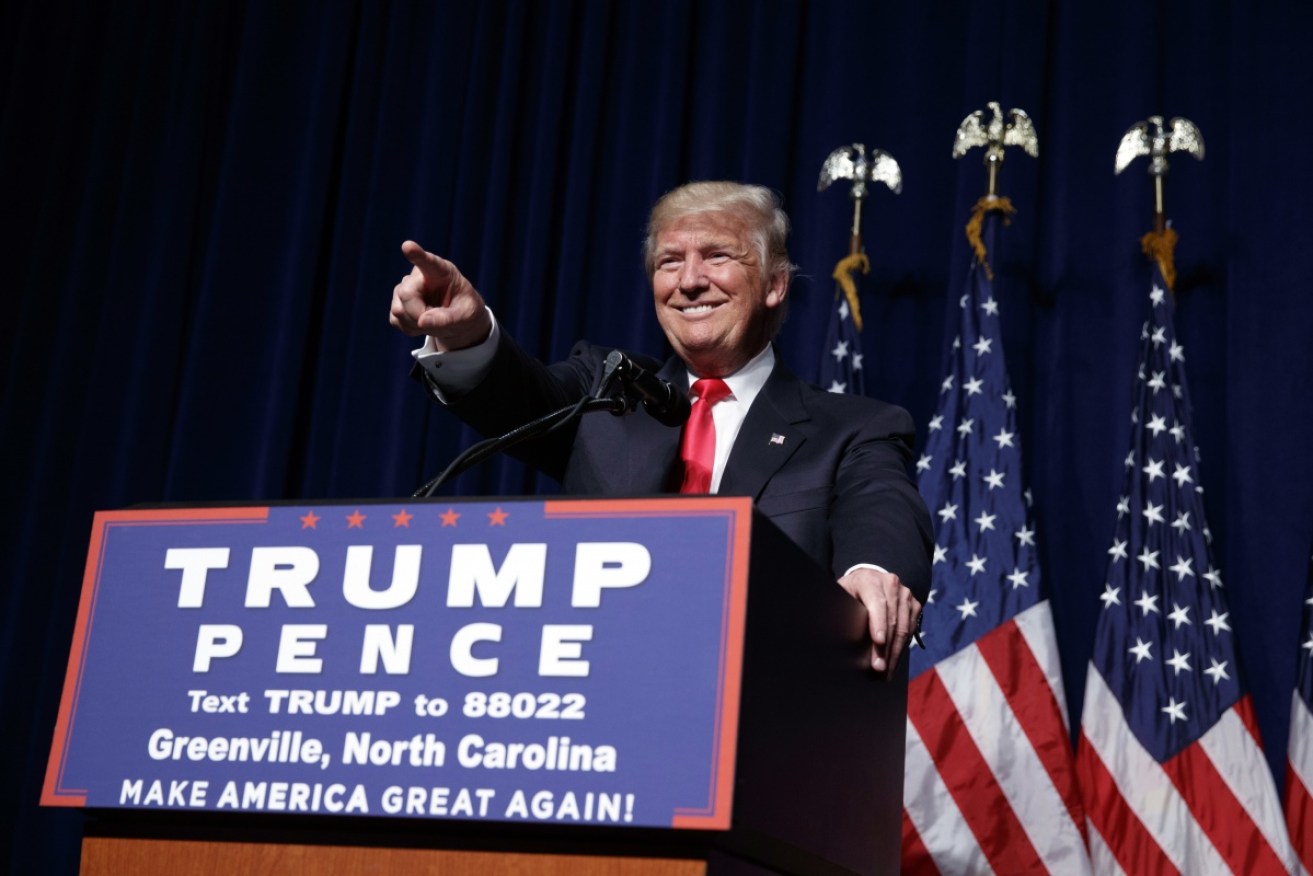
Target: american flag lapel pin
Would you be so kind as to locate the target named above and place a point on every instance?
(776, 438)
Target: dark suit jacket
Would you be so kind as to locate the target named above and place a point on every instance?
(837, 484)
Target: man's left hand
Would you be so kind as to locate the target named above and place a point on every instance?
(892, 612)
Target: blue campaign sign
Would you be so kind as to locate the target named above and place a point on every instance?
(558, 661)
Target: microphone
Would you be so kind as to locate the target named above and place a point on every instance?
(666, 404)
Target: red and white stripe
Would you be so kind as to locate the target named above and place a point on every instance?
(1210, 809)
(990, 784)
(1299, 781)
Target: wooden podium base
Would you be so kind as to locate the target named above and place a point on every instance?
(108, 856)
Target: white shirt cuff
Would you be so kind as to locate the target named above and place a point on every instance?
(857, 566)
(457, 371)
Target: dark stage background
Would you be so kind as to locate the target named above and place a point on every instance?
(202, 206)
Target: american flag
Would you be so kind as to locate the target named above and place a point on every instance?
(989, 782)
(1171, 769)
(1299, 753)
(841, 363)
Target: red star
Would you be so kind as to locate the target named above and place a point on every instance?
(450, 518)
(402, 519)
(309, 520)
(498, 517)
(356, 520)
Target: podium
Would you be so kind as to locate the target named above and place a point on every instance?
(803, 772)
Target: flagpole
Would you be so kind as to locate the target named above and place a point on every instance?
(994, 136)
(1156, 140)
(841, 363)
(1159, 212)
(855, 239)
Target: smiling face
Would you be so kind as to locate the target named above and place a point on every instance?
(714, 301)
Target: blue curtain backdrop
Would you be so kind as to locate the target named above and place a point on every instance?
(202, 206)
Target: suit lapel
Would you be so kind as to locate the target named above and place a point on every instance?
(768, 437)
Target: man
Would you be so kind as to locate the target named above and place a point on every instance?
(829, 470)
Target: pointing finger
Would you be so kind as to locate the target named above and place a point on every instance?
(437, 271)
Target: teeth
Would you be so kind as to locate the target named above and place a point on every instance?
(698, 308)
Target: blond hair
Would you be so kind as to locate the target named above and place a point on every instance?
(757, 206)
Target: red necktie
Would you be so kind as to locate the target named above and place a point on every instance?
(698, 447)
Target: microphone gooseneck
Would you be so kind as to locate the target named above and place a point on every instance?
(663, 401)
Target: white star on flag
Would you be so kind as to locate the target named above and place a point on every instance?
(1149, 558)
(1182, 475)
(1148, 603)
(1141, 650)
(1218, 622)
(841, 365)
(1182, 567)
